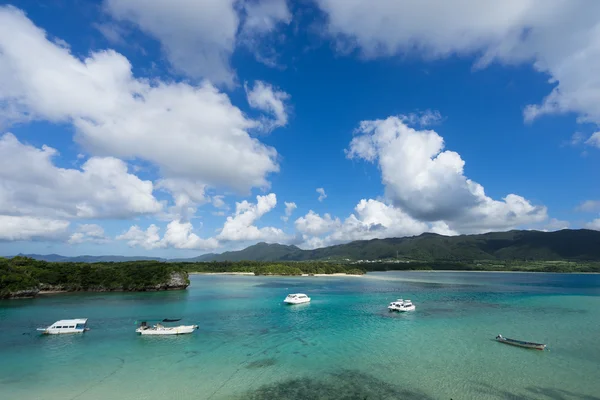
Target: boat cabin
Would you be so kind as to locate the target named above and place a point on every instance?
(78, 325)
(298, 296)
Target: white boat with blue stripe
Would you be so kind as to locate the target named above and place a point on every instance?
(78, 325)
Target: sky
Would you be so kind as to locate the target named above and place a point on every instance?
(182, 127)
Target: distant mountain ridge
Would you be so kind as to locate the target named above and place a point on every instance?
(89, 259)
(566, 244)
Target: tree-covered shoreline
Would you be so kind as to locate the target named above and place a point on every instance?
(26, 277)
(356, 268)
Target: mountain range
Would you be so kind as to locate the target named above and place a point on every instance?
(566, 244)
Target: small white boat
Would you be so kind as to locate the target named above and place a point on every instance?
(394, 305)
(401, 306)
(296, 298)
(78, 325)
(160, 329)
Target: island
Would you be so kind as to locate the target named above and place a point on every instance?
(25, 277)
(527, 251)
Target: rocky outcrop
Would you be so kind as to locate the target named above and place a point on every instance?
(22, 294)
(177, 281)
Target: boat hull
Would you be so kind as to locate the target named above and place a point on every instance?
(60, 331)
(292, 302)
(520, 343)
(166, 331)
(401, 309)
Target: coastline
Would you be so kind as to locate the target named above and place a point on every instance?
(252, 274)
(221, 273)
(495, 272)
(43, 292)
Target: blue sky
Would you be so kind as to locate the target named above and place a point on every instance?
(184, 127)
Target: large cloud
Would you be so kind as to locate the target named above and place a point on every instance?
(199, 36)
(559, 37)
(589, 206)
(30, 184)
(372, 219)
(265, 97)
(314, 225)
(179, 235)
(289, 209)
(14, 228)
(595, 224)
(189, 132)
(428, 182)
(88, 233)
(240, 226)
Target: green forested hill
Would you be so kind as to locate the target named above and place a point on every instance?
(513, 245)
(574, 245)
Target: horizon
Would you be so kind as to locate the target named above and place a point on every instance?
(181, 128)
(279, 244)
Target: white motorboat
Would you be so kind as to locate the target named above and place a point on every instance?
(160, 329)
(296, 298)
(394, 305)
(78, 325)
(401, 306)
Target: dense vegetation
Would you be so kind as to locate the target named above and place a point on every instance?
(321, 267)
(562, 251)
(21, 274)
(519, 246)
(271, 268)
(572, 245)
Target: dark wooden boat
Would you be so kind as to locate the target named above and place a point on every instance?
(520, 343)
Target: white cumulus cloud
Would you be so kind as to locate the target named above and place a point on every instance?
(189, 132)
(289, 209)
(240, 226)
(595, 224)
(322, 195)
(199, 36)
(137, 237)
(218, 202)
(428, 182)
(264, 15)
(589, 206)
(265, 97)
(180, 236)
(13, 228)
(559, 38)
(594, 140)
(88, 233)
(372, 219)
(314, 225)
(30, 184)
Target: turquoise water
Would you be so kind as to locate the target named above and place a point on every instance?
(343, 345)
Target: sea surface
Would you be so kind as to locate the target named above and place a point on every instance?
(343, 345)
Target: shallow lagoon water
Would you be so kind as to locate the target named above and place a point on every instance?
(343, 345)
